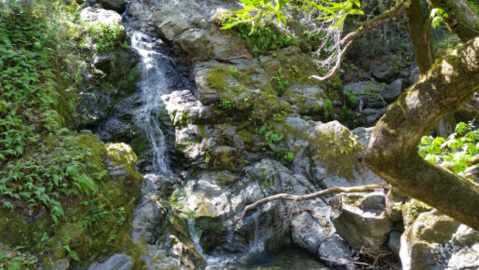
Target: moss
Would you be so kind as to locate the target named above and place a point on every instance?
(223, 179)
(121, 155)
(129, 83)
(217, 78)
(180, 118)
(246, 136)
(224, 158)
(202, 130)
(338, 151)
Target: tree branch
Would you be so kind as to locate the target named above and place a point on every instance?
(462, 19)
(392, 149)
(365, 27)
(298, 198)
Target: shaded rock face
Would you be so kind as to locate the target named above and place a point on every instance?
(116, 5)
(361, 219)
(435, 241)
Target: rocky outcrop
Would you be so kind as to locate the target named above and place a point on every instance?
(435, 241)
(361, 219)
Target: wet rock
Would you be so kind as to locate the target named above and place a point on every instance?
(116, 64)
(188, 257)
(361, 219)
(135, 9)
(117, 262)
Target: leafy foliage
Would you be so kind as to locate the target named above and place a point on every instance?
(455, 152)
(261, 39)
(36, 82)
(106, 36)
(48, 174)
(271, 136)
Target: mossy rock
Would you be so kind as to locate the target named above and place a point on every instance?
(122, 158)
(224, 158)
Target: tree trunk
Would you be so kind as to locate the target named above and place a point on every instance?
(462, 20)
(420, 32)
(392, 149)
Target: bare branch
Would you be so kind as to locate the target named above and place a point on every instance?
(311, 196)
(351, 38)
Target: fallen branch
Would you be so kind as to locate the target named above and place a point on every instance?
(311, 196)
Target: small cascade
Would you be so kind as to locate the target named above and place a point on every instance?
(153, 86)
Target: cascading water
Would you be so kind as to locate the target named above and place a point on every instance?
(153, 86)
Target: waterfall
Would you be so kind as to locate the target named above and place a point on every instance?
(153, 86)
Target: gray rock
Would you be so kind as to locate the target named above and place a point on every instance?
(145, 220)
(62, 264)
(363, 135)
(308, 98)
(135, 9)
(171, 24)
(414, 76)
(115, 262)
(422, 243)
(361, 219)
(386, 72)
(436, 241)
(394, 90)
(369, 92)
(98, 15)
(394, 242)
(336, 252)
(115, 64)
(393, 198)
(307, 232)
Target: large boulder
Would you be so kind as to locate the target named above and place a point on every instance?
(361, 219)
(98, 15)
(116, 64)
(436, 241)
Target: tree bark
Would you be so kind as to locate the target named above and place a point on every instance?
(420, 33)
(462, 20)
(392, 149)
